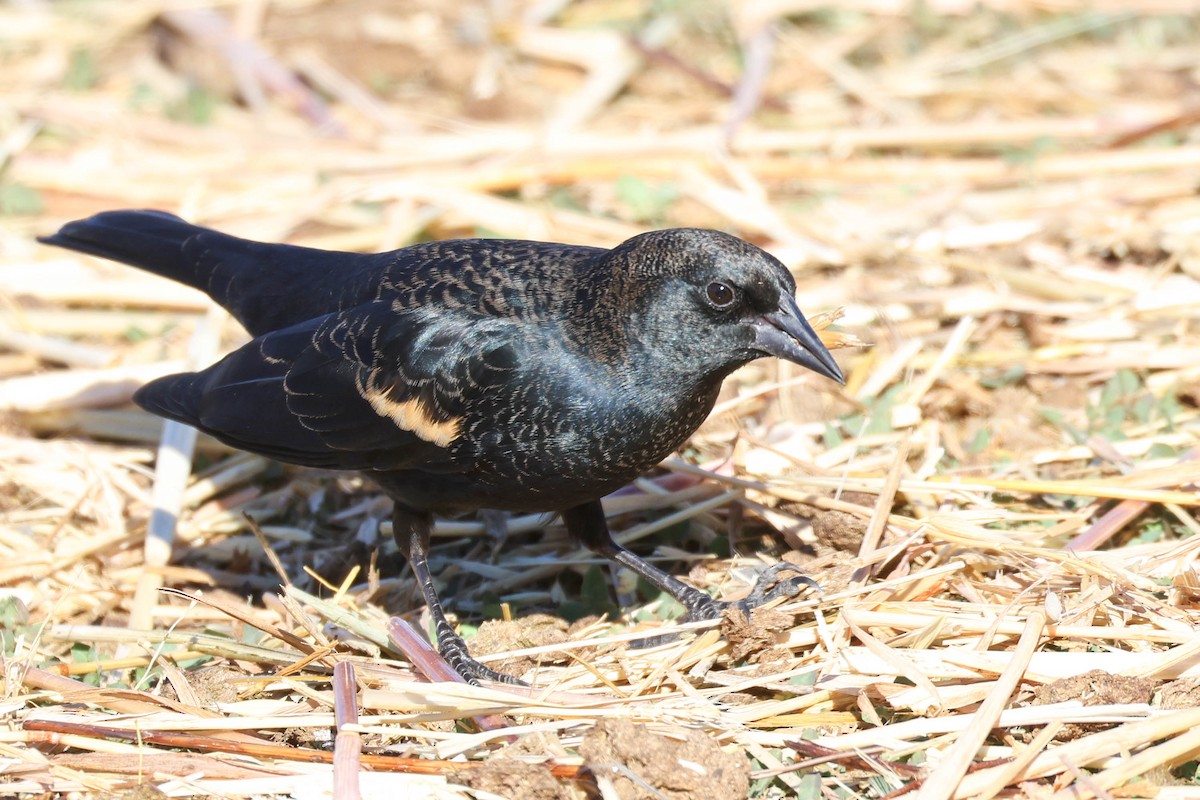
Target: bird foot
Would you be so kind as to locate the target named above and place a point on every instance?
(770, 587)
(454, 650)
(767, 588)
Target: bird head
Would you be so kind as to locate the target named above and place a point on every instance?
(713, 301)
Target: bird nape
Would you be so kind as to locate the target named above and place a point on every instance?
(472, 374)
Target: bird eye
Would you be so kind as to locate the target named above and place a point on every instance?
(721, 295)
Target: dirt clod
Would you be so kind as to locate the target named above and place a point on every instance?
(1096, 688)
(1183, 693)
(1093, 688)
(644, 765)
(143, 791)
(509, 778)
(839, 529)
(752, 638)
(533, 630)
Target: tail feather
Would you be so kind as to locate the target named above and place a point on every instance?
(265, 286)
(175, 397)
(150, 240)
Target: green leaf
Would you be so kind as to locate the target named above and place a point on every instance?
(669, 607)
(196, 108)
(1056, 418)
(980, 441)
(565, 197)
(1154, 531)
(1159, 450)
(804, 679)
(82, 653)
(484, 232)
(999, 380)
(646, 202)
(833, 437)
(593, 599)
(879, 418)
(810, 787)
(135, 334)
(82, 73)
(17, 199)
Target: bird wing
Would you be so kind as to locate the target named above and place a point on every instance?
(268, 287)
(367, 388)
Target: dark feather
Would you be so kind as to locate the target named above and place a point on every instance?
(474, 373)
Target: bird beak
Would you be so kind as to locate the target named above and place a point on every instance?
(786, 334)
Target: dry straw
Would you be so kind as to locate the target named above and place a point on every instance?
(1000, 506)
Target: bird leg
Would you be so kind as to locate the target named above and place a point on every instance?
(586, 523)
(411, 531)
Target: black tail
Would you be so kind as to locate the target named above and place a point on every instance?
(175, 397)
(150, 240)
(265, 286)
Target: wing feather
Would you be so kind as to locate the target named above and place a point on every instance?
(366, 388)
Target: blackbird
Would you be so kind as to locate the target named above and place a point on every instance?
(471, 374)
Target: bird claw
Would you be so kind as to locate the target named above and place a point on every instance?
(474, 673)
(454, 651)
(768, 588)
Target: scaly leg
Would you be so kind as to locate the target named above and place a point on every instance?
(586, 523)
(411, 530)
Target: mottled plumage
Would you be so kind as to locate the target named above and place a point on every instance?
(470, 374)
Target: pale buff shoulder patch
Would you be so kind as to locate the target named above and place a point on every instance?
(411, 415)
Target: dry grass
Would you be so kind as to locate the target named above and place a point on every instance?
(1000, 506)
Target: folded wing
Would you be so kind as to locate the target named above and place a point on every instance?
(366, 388)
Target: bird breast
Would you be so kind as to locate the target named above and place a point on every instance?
(594, 434)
